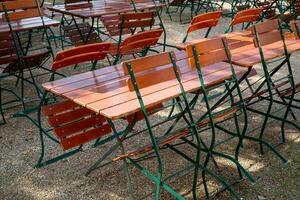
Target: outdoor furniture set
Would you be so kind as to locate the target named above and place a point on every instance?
(89, 107)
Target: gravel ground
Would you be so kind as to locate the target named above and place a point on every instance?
(65, 179)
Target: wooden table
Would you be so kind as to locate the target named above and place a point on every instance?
(105, 90)
(27, 24)
(96, 9)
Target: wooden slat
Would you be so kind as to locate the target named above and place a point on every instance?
(69, 116)
(19, 4)
(152, 78)
(58, 107)
(29, 13)
(148, 62)
(266, 26)
(28, 24)
(90, 135)
(79, 126)
(249, 15)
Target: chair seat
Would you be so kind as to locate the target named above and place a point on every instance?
(168, 140)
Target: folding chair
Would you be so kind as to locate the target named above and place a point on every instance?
(268, 34)
(71, 124)
(139, 80)
(8, 55)
(202, 21)
(288, 92)
(214, 55)
(78, 33)
(17, 10)
(141, 71)
(22, 60)
(248, 16)
(136, 42)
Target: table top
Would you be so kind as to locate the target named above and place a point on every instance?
(105, 91)
(101, 7)
(27, 24)
(244, 52)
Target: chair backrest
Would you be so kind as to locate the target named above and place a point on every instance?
(295, 26)
(8, 51)
(137, 19)
(126, 23)
(77, 4)
(268, 32)
(75, 1)
(20, 9)
(84, 53)
(246, 16)
(140, 41)
(208, 51)
(205, 20)
(149, 71)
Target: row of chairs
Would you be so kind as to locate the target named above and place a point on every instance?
(210, 20)
(239, 106)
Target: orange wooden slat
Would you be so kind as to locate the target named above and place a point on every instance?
(82, 138)
(58, 107)
(19, 4)
(79, 126)
(29, 13)
(69, 116)
(152, 78)
(266, 26)
(148, 62)
(249, 15)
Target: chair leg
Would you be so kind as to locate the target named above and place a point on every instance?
(1, 109)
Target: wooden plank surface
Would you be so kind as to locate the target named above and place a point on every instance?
(101, 7)
(251, 56)
(27, 24)
(105, 91)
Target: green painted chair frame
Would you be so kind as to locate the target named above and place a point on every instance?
(274, 86)
(136, 81)
(203, 54)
